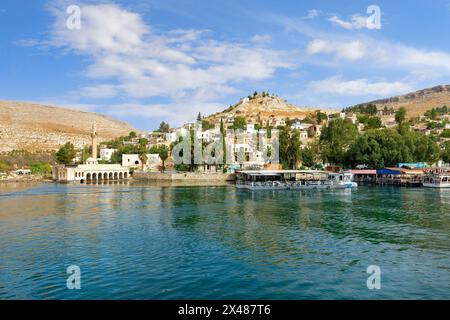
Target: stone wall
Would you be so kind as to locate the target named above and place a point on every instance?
(183, 176)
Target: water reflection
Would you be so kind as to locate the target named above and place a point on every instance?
(166, 241)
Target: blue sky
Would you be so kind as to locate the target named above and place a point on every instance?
(148, 61)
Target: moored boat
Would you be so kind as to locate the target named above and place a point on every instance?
(342, 180)
(294, 180)
(436, 180)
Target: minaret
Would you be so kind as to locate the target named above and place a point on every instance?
(94, 141)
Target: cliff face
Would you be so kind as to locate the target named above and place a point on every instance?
(36, 127)
(417, 103)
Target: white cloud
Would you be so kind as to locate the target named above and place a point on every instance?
(102, 91)
(384, 54)
(358, 87)
(262, 38)
(357, 22)
(314, 13)
(177, 113)
(134, 60)
(351, 50)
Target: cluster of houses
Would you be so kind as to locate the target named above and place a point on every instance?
(253, 155)
(248, 147)
(243, 152)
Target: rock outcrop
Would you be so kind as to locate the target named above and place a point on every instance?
(262, 107)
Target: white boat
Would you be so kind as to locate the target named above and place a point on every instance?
(342, 180)
(437, 181)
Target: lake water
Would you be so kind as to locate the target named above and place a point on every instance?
(218, 242)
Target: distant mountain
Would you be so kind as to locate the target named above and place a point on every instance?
(37, 127)
(261, 107)
(417, 103)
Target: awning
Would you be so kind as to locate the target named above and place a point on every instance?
(364, 172)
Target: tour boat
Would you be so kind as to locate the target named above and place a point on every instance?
(293, 180)
(437, 181)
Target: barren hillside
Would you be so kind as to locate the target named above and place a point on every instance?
(417, 103)
(261, 108)
(38, 127)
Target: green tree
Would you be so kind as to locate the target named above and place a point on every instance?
(320, 116)
(40, 168)
(222, 133)
(132, 135)
(206, 125)
(86, 152)
(290, 147)
(163, 151)
(445, 153)
(143, 158)
(308, 157)
(66, 154)
(387, 148)
(239, 123)
(400, 115)
(445, 133)
(143, 142)
(374, 123)
(164, 127)
(335, 140)
(164, 155)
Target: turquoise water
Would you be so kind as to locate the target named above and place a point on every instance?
(151, 242)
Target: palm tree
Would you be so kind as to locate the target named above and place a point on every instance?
(164, 155)
(143, 157)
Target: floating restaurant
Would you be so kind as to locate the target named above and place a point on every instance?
(293, 180)
(418, 177)
(400, 177)
(390, 176)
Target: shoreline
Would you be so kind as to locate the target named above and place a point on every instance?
(190, 177)
(25, 179)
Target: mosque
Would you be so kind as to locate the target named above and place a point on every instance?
(91, 170)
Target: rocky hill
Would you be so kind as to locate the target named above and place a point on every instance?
(35, 127)
(262, 107)
(417, 103)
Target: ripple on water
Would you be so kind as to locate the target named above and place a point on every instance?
(146, 242)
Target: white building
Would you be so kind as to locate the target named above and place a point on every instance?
(171, 136)
(297, 125)
(90, 172)
(133, 161)
(106, 153)
(250, 128)
(304, 137)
